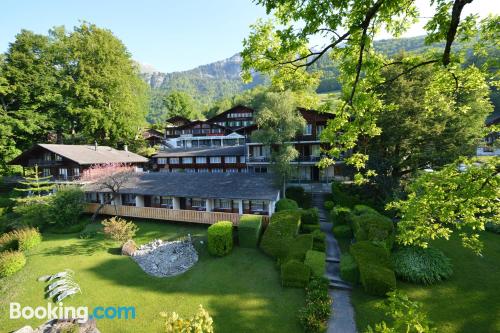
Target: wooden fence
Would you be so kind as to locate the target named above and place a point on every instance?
(168, 214)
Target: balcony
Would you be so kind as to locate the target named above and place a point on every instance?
(42, 162)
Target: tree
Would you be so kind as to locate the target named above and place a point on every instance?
(280, 49)
(278, 122)
(179, 103)
(461, 197)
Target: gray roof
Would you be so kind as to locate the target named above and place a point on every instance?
(199, 185)
(219, 151)
(88, 154)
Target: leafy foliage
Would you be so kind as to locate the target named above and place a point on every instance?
(11, 262)
(340, 215)
(66, 206)
(342, 231)
(279, 234)
(20, 240)
(317, 309)
(295, 273)
(201, 322)
(419, 265)
(316, 261)
(310, 216)
(349, 270)
(119, 229)
(299, 247)
(319, 238)
(220, 238)
(286, 204)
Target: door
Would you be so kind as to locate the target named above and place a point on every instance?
(315, 173)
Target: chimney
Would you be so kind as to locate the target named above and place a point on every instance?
(125, 147)
(95, 145)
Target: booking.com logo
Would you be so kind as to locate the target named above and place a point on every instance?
(59, 312)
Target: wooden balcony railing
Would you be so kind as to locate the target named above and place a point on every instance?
(168, 214)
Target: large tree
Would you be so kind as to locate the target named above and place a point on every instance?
(179, 103)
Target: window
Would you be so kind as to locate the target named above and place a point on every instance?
(216, 130)
(216, 170)
(315, 151)
(161, 201)
(174, 160)
(128, 199)
(215, 159)
(190, 170)
(230, 159)
(179, 143)
(260, 169)
(47, 157)
(319, 129)
(232, 170)
(198, 203)
(92, 197)
(63, 173)
(187, 160)
(258, 206)
(46, 172)
(242, 159)
(201, 160)
(222, 204)
(162, 160)
(76, 172)
(308, 129)
(58, 157)
(203, 170)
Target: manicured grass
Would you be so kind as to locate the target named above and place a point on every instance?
(467, 302)
(241, 291)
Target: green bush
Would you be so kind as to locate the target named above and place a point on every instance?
(316, 262)
(363, 209)
(342, 231)
(310, 216)
(319, 240)
(279, 234)
(249, 230)
(493, 226)
(295, 274)
(329, 205)
(34, 212)
(119, 229)
(299, 195)
(67, 206)
(377, 280)
(419, 265)
(317, 309)
(286, 204)
(374, 227)
(299, 247)
(340, 215)
(220, 238)
(349, 270)
(21, 239)
(366, 252)
(11, 262)
(309, 228)
(341, 197)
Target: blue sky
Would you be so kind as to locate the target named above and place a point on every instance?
(169, 35)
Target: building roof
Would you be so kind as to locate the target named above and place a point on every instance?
(85, 154)
(187, 152)
(245, 186)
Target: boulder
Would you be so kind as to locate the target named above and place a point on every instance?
(129, 248)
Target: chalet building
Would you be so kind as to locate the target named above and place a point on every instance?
(222, 159)
(153, 137)
(213, 192)
(67, 162)
(488, 146)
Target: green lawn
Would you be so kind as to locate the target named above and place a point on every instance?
(467, 302)
(242, 291)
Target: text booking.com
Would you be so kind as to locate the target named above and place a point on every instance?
(83, 313)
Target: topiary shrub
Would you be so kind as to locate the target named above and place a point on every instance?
(340, 215)
(349, 270)
(342, 231)
(299, 246)
(366, 252)
(21, 239)
(119, 229)
(319, 240)
(286, 204)
(419, 265)
(299, 195)
(310, 216)
(377, 280)
(316, 312)
(67, 206)
(220, 238)
(295, 274)
(279, 234)
(11, 262)
(329, 205)
(363, 209)
(316, 262)
(249, 230)
(309, 228)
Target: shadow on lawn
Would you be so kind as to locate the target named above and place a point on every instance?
(85, 247)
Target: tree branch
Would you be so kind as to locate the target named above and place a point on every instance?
(456, 11)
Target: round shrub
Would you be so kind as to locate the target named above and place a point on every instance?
(340, 215)
(342, 231)
(329, 205)
(286, 204)
(11, 262)
(419, 265)
(67, 206)
(220, 238)
(310, 216)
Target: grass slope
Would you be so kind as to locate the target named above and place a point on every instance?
(241, 291)
(467, 302)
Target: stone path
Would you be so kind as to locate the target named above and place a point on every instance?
(342, 319)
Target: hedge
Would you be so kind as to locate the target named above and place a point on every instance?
(349, 270)
(342, 231)
(220, 238)
(299, 247)
(317, 309)
(316, 262)
(310, 216)
(363, 209)
(286, 204)
(295, 274)
(340, 215)
(369, 253)
(329, 205)
(319, 240)
(299, 195)
(249, 230)
(11, 262)
(309, 228)
(373, 227)
(21, 239)
(282, 229)
(377, 280)
(341, 198)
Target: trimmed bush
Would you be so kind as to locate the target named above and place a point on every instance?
(349, 270)
(299, 247)
(220, 238)
(366, 252)
(279, 234)
(295, 274)
(286, 204)
(340, 215)
(310, 216)
(340, 196)
(300, 196)
(329, 205)
(377, 280)
(363, 209)
(316, 312)
(11, 262)
(419, 265)
(342, 231)
(309, 228)
(316, 262)
(249, 230)
(67, 206)
(319, 240)
(493, 226)
(21, 239)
